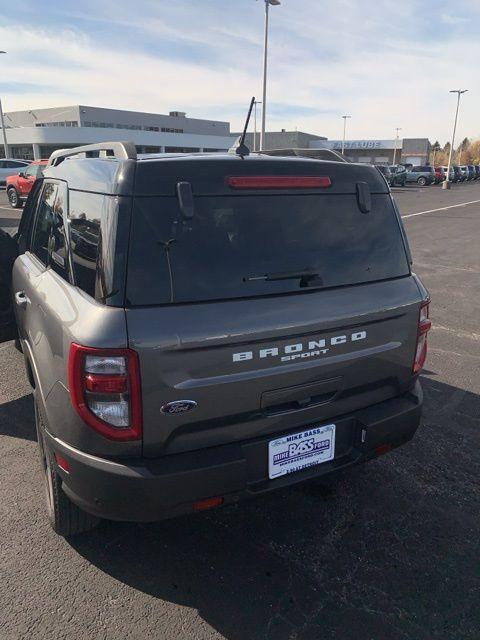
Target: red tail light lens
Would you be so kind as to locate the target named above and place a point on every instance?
(105, 390)
(279, 182)
(424, 326)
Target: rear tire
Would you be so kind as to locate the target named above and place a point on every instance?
(14, 198)
(65, 518)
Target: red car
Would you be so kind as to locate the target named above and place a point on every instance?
(20, 185)
(440, 175)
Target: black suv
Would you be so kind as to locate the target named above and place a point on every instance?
(203, 328)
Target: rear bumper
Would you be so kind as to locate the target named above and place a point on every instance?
(148, 490)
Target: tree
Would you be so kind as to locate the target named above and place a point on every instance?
(447, 147)
(475, 151)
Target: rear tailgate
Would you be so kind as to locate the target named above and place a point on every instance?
(214, 323)
(337, 351)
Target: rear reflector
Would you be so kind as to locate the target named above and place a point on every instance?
(382, 449)
(279, 182)
(62, 463)
(208, 503)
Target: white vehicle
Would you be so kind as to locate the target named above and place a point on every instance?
(10, 167)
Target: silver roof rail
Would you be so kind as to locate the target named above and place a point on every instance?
(121, 151)
(316, 154)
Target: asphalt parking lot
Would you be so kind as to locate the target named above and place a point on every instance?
(387, 551)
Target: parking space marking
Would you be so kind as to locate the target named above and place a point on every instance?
(452, 206)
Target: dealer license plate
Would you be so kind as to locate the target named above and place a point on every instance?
(298, 451)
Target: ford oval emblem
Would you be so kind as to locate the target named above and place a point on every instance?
(178, 406)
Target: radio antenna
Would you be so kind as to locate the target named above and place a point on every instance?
(242, 149)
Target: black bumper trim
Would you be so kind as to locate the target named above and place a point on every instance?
(148, 490)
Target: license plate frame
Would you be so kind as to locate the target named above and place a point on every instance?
(298, 451)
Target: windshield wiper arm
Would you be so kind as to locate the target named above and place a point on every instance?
(305, 277)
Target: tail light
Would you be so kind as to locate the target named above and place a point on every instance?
(105, 390)
(279, 182)
(424, 326)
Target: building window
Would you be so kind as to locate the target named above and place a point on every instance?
(169, 130)
(181, 150)
(64, 123)
(151, 128)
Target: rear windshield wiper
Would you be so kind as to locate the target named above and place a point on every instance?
(307, 278)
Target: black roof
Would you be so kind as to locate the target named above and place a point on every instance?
(158, 174)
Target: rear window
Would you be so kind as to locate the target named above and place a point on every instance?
(233, 243)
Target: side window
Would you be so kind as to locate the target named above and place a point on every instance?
(3, 164)
(28, 214)
(84, 216)
(57, 246)
(31, 170)
(43, 222)
(49, 234)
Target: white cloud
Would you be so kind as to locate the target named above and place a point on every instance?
(338, 58)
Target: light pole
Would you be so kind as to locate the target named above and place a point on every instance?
(446, 182)
(344, 132)
(2, 122)
(255, 123)
(265, 53)
(396, 144)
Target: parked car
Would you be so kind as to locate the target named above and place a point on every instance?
(399, 175)
(10, 167)
(20, 185)
(458, 173)
(385, 171)
(471, 172)
(477, 171)
(222, 349)
(465, 174)
(422, 175)
(452, 177)
(440, 174)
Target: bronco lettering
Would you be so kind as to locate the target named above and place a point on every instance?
(299, 351)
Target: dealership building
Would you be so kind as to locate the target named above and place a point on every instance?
(414, 151)
(35, 133)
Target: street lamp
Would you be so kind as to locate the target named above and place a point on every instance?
(265, 52)
(396, 144)
(446, 183)
(255, 123)
(344, 132)
(5, 143)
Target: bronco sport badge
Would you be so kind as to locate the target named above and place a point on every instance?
(300, 350)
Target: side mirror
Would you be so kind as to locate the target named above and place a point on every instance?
(21, 174)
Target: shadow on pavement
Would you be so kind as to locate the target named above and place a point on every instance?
(387, 550)
(17, 419)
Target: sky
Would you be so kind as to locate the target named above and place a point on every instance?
(385, 63)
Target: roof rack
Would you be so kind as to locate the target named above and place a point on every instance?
(119, 150)
(318, 154)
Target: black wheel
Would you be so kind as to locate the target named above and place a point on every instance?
(14, 198)
(422, 181)
(65, 517)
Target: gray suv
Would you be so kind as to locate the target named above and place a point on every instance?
(203, 328)
(422, 175)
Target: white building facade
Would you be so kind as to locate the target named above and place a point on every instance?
(35, 133)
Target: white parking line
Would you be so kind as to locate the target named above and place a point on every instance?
(452, 206)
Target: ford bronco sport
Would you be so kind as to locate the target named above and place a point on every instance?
(202, 328)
